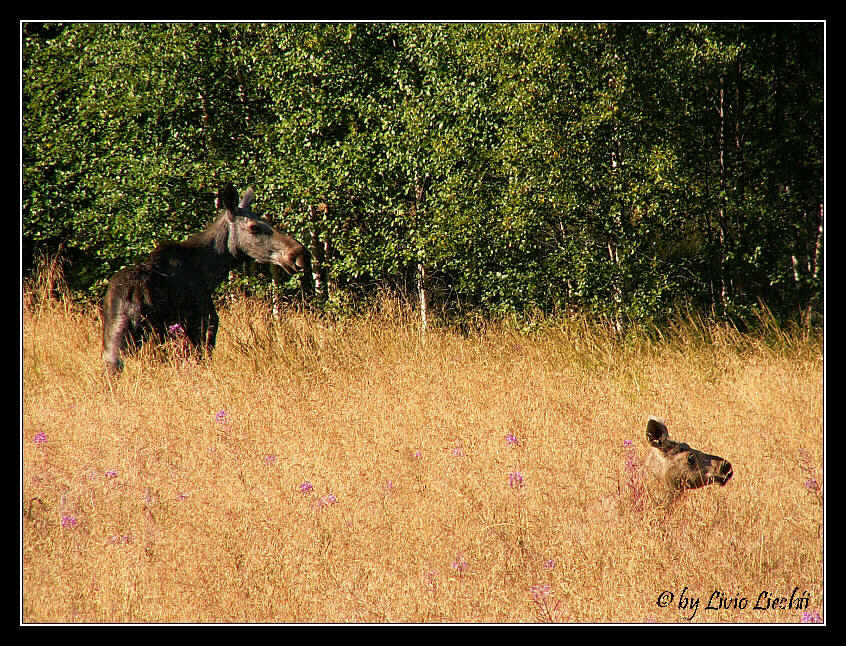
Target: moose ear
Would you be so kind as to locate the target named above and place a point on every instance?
(227, 198)
(247, 198)
(656, 432)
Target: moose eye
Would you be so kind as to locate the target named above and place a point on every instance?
(691, 459)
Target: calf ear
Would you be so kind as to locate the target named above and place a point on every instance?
(227, 198)
(656, 432)
(247, 198)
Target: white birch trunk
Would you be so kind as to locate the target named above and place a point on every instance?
(424, 297)
(818, 247)
(318, 257)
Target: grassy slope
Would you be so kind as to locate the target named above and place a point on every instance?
(412, 517)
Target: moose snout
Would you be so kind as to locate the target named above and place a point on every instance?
(293, 262)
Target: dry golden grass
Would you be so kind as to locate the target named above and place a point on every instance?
(142, 506)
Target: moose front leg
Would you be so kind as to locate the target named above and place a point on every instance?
(210, 332)
(115, 330)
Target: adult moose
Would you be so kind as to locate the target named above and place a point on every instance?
(174, 285)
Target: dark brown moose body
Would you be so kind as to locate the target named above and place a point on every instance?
(174, 286)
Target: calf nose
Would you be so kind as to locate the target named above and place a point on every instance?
(725, 472)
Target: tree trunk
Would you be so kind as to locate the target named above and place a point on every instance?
(204, 109)
(795, 262)
(424, 298)
(616, 289)
(317, 249)
(274, 291)
(818, 247)
(721, 211)
(422, 291)
(328, 254)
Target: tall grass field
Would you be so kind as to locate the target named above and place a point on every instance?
(351, 469)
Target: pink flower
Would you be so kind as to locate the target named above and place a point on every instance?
(69, 521)
(118, 540)
(328, 499)
(549, 564)
(540, 592)
(460, 564)
(627, 443)
(221, 417)
(111, 474)
(515, 479)
(811, 617)
(270, 459)
(511, 439)
(458, 452)
(417, 455)
(40, 437)
(306, 487)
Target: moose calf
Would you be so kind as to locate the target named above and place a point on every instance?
(679, 466)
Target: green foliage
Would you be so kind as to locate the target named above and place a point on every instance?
(623, 170)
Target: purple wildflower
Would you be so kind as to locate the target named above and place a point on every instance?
(812, 485)
(111, 474)
(40, 437)
(460, 564)
(540, 592)
(511, 439)
(69, 521)
(270, 459)
(221, 417)
(631, 458)
(120, 540)
(515, 479)
(328, 499)
(811, 617)
(306, 487)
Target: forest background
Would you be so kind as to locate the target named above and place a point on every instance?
(627, 171)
